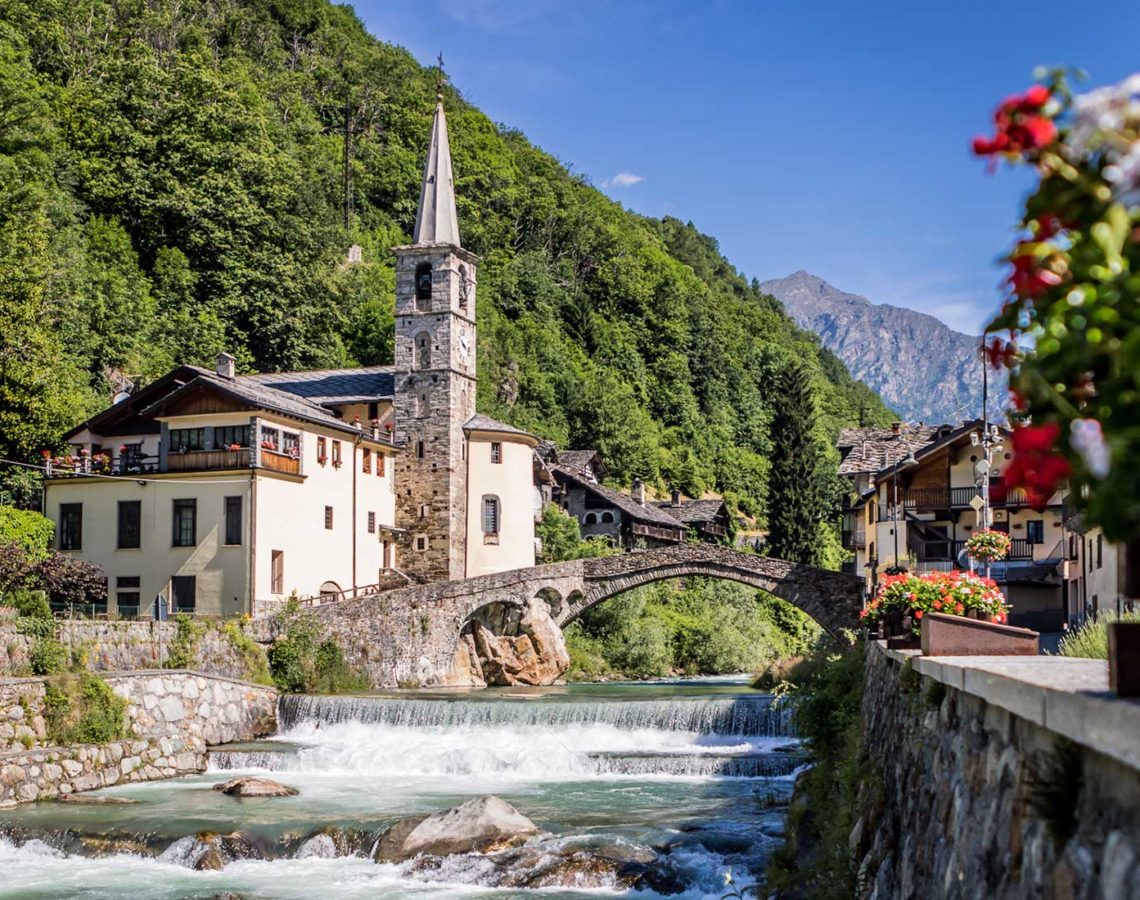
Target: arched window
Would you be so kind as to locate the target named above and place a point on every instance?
(607, 518)
(491, 520)
(423, 285)
(423, 351)
(591, 519)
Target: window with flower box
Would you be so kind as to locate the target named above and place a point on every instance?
(270, 439)
(336, 458)
(366, 461)
(322, 450)
(231, 437)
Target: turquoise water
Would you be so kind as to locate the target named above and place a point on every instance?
(697, 772)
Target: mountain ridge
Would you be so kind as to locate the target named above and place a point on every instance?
(919, 365)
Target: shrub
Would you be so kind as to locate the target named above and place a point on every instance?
(48, 656)
(30, 604)
(183, 650)
(83, 710)
(299, 663)
(29, 530)
(253, 657)
(1090, 640)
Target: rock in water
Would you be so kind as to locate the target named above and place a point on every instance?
(96, 800)
(483, 825)
(249, 786)
(513, 650)
(210, 851)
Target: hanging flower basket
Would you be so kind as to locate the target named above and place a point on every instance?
(988, 545)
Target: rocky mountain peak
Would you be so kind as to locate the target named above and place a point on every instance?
(920, 366)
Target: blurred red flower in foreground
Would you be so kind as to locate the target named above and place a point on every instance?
(1020, 125)
(1036, 466)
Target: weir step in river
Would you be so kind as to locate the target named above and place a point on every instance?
(686, 780)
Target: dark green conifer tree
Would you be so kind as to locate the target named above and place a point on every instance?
(794, 497)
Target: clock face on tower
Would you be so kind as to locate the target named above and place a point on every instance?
(464, 349)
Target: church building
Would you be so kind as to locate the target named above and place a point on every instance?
(222, 493)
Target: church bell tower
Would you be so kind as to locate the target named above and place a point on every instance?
(435, 375)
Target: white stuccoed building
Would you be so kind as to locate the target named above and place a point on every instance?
(226, 493)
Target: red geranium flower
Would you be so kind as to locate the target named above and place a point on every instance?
(1020, 126)
(1001, 354)
(1030, 278)
(1035, 466)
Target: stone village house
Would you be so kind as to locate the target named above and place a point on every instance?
(922, 479)
(628, 521)
(226, 493)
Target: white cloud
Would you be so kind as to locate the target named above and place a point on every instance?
(623, 179)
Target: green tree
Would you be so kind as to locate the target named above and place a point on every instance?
(561, 538)
(794, 511)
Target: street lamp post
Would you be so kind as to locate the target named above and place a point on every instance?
(990, 441)
(901, 464)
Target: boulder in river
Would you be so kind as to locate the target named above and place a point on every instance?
(483, 825)
(506, 646)
(208, 850)
(96, 800)
(249, 786)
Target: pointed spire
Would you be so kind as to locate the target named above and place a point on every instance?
(436, 219)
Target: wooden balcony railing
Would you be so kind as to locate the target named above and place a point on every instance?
(854, 539)
(199, 460)
(280, 462)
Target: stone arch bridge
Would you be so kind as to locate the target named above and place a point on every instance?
(411, 635)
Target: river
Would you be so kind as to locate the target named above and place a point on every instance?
(696, 773)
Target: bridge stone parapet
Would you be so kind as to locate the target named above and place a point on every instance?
(411, 635)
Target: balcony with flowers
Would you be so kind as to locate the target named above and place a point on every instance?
(196, 449)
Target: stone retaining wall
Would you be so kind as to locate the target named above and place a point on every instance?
(121, 646)
(173, 716)
(1000, 778)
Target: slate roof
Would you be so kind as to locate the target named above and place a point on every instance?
(480, 422)
(692, 511)
(585, 462)
(331, 387)
(873, 449)
(648, 513)
(248, 389)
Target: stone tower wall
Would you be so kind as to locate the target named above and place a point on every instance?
(432, 405)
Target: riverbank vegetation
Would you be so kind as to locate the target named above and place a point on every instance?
(302, 663)
(696, 627)
(82, 709)
(815, 862)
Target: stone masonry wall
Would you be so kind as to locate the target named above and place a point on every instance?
(121, 646)
(977, 801)
(173, 716)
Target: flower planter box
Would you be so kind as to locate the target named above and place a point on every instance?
(1124, 658)
(944, 635)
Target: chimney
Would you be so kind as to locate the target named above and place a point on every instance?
(638, 491)
(676, 497)
(896, 427)
(225, 365)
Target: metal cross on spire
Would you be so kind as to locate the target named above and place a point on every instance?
(439, 78)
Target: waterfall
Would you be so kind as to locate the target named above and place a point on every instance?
(756, 716)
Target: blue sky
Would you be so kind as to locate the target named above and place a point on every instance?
(829, 136)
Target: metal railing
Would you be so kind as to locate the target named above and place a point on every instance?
(854, 539)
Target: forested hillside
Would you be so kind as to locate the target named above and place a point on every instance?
(172, 184)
